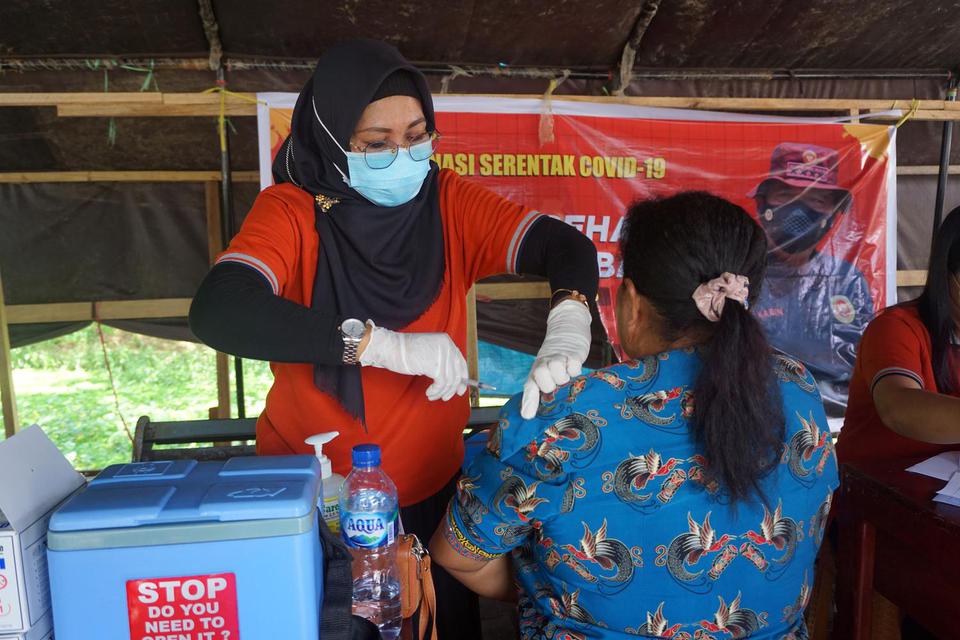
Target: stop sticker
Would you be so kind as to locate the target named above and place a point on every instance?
(185, 608)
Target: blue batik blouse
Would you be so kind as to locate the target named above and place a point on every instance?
(616, 530)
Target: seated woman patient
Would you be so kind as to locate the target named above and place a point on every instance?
(905, 393)
(681, 494)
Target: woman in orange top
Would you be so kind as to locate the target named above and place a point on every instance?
(905, 391)
(350, 276)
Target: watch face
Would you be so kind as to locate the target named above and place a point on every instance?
(353, 328)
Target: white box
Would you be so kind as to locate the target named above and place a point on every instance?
(34, 479)
(43, 630)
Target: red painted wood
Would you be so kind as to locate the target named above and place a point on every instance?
(895, 539)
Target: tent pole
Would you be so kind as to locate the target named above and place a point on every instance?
(944, 160)
(8, 398)
(215, 245)
(473, 347)
(228, 230)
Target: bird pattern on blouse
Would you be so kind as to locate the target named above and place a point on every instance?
(532, 493)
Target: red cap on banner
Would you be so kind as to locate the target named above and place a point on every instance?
(805, 166)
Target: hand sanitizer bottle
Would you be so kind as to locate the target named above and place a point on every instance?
(329, 502)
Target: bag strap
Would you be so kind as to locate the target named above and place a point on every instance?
(428, 600)
(337, 606)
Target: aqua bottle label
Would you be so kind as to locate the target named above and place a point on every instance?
(369, 530)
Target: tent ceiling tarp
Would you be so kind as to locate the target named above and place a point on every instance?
(126, 240)
(747, 34)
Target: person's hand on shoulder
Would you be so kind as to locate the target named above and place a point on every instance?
(419, 354)
(561, 356)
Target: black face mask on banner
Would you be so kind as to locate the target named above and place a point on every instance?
(794, 227)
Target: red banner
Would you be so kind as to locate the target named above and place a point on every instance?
(820, 188)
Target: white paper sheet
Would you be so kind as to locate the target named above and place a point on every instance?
(950, 494)
(941, 467)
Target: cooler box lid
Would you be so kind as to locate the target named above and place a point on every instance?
(178, 492)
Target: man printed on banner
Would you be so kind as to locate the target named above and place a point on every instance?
(814, 305)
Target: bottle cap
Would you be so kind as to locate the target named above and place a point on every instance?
(366, 455)
(317, 441)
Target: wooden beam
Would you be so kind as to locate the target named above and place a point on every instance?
(128, 110)
(923, 114)
(926, 170)
(750, 104)
(54, 99)
(912, 278)
(102, 310)
(473, 348)
(513, 291)
(247, 176)
(120, 110)
(148, 104)
(697, 102)
(8, 398)
(136, 309)
(179, 307)
(251, 176)
(54, 312)
(123, 176)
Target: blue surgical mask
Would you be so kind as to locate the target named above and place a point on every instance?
(388, 187)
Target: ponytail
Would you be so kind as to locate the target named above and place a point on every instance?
(672, 246)
(738, 419)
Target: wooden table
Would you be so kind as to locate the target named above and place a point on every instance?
(894, 539)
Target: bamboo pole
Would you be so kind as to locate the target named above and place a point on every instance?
(8, 397)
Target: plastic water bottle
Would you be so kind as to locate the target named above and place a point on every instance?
(368, 524)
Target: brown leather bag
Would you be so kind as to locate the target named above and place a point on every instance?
(416, 583)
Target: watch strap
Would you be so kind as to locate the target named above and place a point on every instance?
(350, 348)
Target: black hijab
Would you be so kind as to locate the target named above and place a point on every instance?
(375, 263)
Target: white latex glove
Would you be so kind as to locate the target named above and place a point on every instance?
(561, 356)
(419, 354)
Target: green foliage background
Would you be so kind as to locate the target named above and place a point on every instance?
(63, 386)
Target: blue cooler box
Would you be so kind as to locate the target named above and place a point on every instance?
(190, 550)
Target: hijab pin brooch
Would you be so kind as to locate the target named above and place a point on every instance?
(325, 202)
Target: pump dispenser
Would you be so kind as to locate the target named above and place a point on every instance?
(328, 503)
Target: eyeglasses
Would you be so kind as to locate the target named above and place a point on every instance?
(381, 154)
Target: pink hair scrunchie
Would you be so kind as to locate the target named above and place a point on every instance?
(711, 296)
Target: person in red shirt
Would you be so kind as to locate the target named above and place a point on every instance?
(905, 391)
(350, 276)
